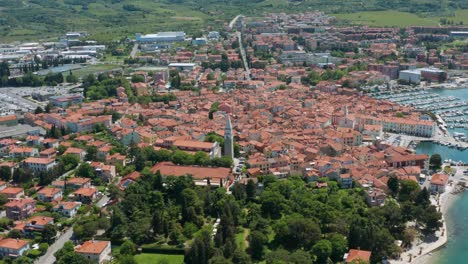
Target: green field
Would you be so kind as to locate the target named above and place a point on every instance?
(92, 69)
(400, 19)
(159, 258)
(107, 20)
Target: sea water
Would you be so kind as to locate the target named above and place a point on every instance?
(456, 249)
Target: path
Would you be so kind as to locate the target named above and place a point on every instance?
(234, 20)
(58, 244)
(134, 51)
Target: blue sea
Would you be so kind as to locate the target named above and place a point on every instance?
(456, 249)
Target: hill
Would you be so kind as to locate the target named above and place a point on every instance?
(108, 19)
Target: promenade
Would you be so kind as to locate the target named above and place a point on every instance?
(421, 251)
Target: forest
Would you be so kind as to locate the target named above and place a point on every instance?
(110, 19)
(284, 221)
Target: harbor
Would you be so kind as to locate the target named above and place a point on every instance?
(449, 106)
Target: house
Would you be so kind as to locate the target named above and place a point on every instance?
(77, 183)
(94, 250)
(47, 194)
(48, 153)
(129, 179)
(103, 171)
(18, 209)
(218, 177)
(68, 209)
(39, 164)
(21, 152)
(86, 195)
(12, 192)
(37, 223)
(439, 182)
(10, 120)
(357, 256)
(10, 247)
(51, 143)
(80, 153)
(375, 197)
(34, 140)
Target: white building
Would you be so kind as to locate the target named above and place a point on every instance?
(39, 164)
(161, 37)
(96, 251)
(410, 76)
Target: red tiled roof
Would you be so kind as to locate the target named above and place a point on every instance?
(355, 254)
(92, 247)
(198, 173)
(12, 243)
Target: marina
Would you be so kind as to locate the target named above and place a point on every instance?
(448, 104)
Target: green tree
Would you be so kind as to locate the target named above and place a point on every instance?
(339, 246)
(435, 162)
(71, 78)
(295, 233)
(73, 258)
(251, 190)
(69, 161)
(408, 190)
(3, 199)
(137, 78)
(49, 233)
(323, 250)
(394, 185)
(127, 248)
(85, 170)
(239, 191)
(5, 173)
(38, 110)
(257, 241)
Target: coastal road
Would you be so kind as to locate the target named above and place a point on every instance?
(58, 244)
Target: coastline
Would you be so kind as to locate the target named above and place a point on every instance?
(446, 200)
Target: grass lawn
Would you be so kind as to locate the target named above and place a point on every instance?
(399, 19)
(241, 238)
(388, 18)
(83, 72)
(157, 258)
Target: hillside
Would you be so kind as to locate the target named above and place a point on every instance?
(108, 19)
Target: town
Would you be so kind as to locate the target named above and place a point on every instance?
(155, 145)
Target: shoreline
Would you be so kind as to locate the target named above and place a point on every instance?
(446, 201)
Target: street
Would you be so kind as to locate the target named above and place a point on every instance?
(49, 258)
(243, 54)
(134, 51)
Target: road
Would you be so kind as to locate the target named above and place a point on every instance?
(234, 20)
(243, 54)
(134, 51)
(49, 256)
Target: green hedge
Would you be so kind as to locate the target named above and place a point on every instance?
(162, 249)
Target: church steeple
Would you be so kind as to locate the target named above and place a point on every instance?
(228, 139)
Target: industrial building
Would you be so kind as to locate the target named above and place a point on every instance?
(161, 37)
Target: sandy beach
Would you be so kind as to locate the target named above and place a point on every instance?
(420, 252)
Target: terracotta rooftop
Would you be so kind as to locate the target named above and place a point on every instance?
(92, 247)
(198, 173)
(354, 255)
(12, 243)
(439, 179)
